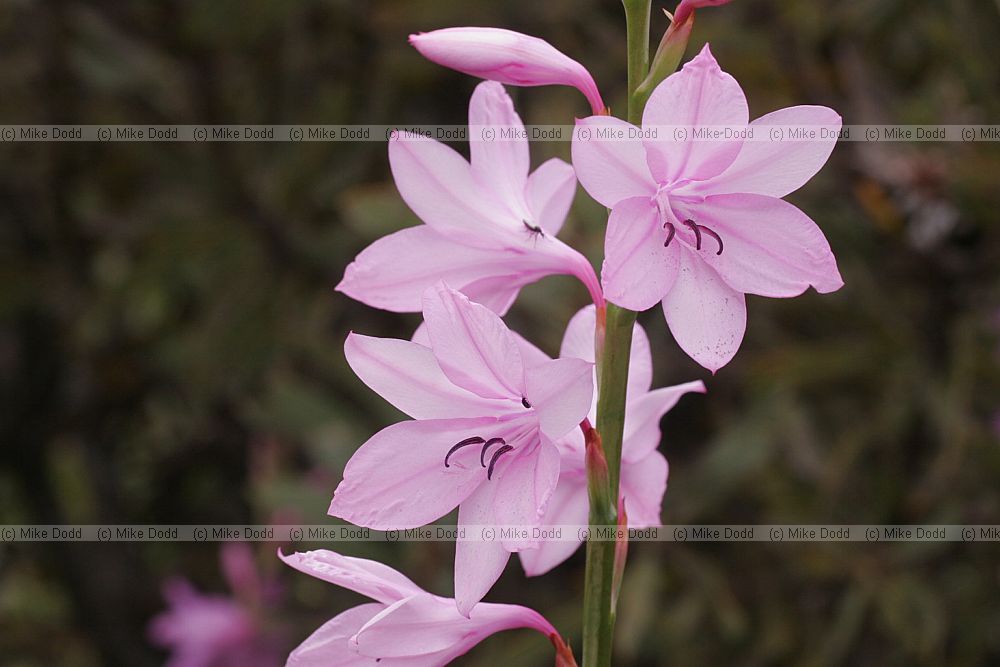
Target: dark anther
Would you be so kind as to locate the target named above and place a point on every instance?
(476, 440)
(698, 229)
(534, 229)
(490, 442)
(525, 403)
(697, 233)
(670, 234)
(497, 454)
(715, 236)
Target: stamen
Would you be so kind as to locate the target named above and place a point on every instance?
(697, 233)
(670, 234)
(715, 236)
(525, 403)
(491, 441)
(497, 454)
(475, 440)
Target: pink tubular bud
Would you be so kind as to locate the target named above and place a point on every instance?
(507, 57)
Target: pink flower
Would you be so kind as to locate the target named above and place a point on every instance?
(486, 417)
(643, 468)
(508, 57)
(404, 626)
(698, 224)
(216, 630)
(490, 227)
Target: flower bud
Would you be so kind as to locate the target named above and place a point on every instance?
(675, 39)
(508, 57)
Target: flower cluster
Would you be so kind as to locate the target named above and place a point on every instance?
(497, 427)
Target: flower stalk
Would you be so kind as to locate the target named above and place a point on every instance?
(613, 363)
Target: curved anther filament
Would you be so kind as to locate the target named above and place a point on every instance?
(672, 231)
(489, 443)
(698, 229)
(493, 461)
(475, 440)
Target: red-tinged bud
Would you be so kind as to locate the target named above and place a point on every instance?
(598, 489)
(564, 652)
(686, 8)
(672, 46)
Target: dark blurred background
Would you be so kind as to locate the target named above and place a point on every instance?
(171, 345)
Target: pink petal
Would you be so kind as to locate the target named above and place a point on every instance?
(706, 316)
(478, 562)
(329, 646)
(500, 165)
(642, 418)
(523, 491)
(561, 391)
(550, 193)
(642, 486)
(398, 479)
(508, 57)
(367, 577)
(778, 167)
(700, 95)
(438, 185)
(638, 269)
(416, 626)
(578, 342)
(610, 164)
(407, 375)
(472, 345)
(567, 506)
(394, 271)
(771, 247)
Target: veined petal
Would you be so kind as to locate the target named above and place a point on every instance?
(784, 165)
(701, 95)
(642, 418)
(567, 506)
(500, 165)
(407, 375)
(578, 342)
(394, 272)
(771, 247)
(398, 479)
(610, 160)
(523, 491)
(329, 646)
(415, 626)
(642, 486)
(478, 562)
(706, 316)
(437, 184)
(561, 392)
(367, 577)
(472, 344)
(550, 193)
(638, 269)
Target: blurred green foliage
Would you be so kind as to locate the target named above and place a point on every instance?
(170, 343)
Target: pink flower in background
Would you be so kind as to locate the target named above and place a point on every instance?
(405, 626)
(490, 226)
(698, 224)
(508, 57)
(643, 468)
(485, 422)
(216, 630)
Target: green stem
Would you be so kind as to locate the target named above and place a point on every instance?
(598, 607)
